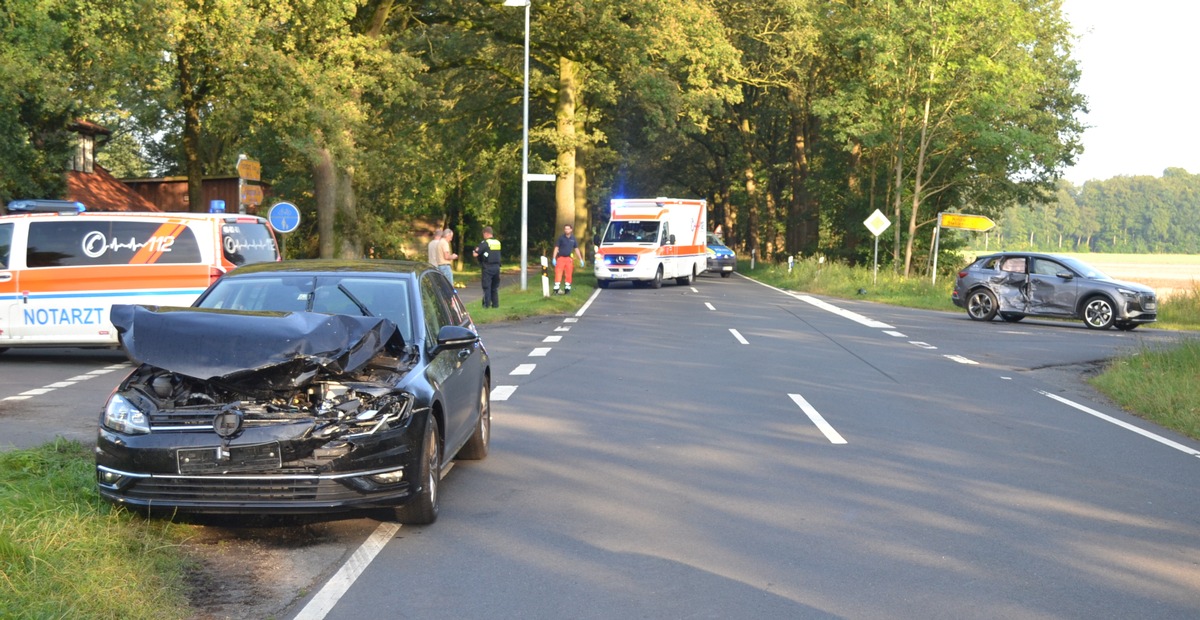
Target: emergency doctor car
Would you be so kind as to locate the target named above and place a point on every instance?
(61, 273)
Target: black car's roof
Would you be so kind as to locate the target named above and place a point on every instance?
(334, 266)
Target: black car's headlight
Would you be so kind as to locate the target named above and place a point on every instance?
(122, 416)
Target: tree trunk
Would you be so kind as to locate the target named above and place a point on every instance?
(325, 193)
(922, 149)
(583, 218)
(564, 114)
(346, 226)
(190, 99)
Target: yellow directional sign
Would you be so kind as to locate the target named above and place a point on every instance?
(966, 222)
(249, 170)
(251, 194)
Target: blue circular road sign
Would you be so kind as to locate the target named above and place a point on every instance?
(284, 217)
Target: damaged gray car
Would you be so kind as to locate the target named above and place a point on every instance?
(1014, 285)
(297, 387)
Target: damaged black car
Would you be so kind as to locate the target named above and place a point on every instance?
(297, 387)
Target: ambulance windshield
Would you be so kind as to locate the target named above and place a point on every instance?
(631, 231)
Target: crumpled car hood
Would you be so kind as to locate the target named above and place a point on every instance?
(282, 349)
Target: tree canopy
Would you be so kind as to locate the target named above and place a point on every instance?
(795, 118)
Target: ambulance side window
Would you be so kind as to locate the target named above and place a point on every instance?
(5, 244)
(109, 242)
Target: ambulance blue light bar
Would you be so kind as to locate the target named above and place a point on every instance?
(45, 206)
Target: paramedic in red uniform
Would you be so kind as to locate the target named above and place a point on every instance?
(566, 250)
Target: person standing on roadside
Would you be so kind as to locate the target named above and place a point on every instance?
(435, 248)
(566, 250)
(447, 256)
(488, 253)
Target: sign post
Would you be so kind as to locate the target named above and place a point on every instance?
(962, 221)
(877, 223)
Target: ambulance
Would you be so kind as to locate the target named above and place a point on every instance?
(648, 240)
(61, 272)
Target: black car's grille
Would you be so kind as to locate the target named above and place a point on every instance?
(202, 419)
(226, 490)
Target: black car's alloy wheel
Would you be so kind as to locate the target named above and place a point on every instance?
(982, 305)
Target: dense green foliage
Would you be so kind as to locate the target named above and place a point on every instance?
(795, 118)
(1141, 214)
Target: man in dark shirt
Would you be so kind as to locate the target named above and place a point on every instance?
(566, 250)
(488, 253)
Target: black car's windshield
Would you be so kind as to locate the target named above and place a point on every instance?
(631, 232)
(356, 296)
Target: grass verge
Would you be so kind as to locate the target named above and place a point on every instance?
(65, 553)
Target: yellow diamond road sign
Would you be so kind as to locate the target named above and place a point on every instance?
(966, 222)
(877, 223)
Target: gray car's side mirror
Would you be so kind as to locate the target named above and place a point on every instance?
(1066, 275)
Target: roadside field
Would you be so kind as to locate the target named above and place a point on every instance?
(1167, 274)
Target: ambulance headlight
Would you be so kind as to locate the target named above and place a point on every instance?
(122, 416)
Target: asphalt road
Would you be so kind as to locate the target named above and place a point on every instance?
(730, 451)
(660, 458)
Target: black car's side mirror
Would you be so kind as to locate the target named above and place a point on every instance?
(455, 337)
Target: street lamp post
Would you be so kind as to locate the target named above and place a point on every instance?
(524, 151)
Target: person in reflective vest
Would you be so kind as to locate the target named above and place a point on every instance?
(488, 253)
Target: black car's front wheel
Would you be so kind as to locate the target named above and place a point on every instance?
(1098, 313)
(422, 509)
(982, 305)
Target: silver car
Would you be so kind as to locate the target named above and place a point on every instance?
(1014, 285)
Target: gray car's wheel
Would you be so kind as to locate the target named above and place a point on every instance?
(477, 446)
(982, 305)
(1098, 313)
(422, 508)
(657, 281)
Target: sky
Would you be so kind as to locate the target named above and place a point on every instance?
(1138, 60)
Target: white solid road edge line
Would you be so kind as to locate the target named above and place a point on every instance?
(332, 591)
(811, 412)
(1107, 418)
(583, 309)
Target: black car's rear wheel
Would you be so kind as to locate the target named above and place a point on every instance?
(1011, 318)
(982, 305)
(1098, 313)
(477, 446)
(422, 509)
